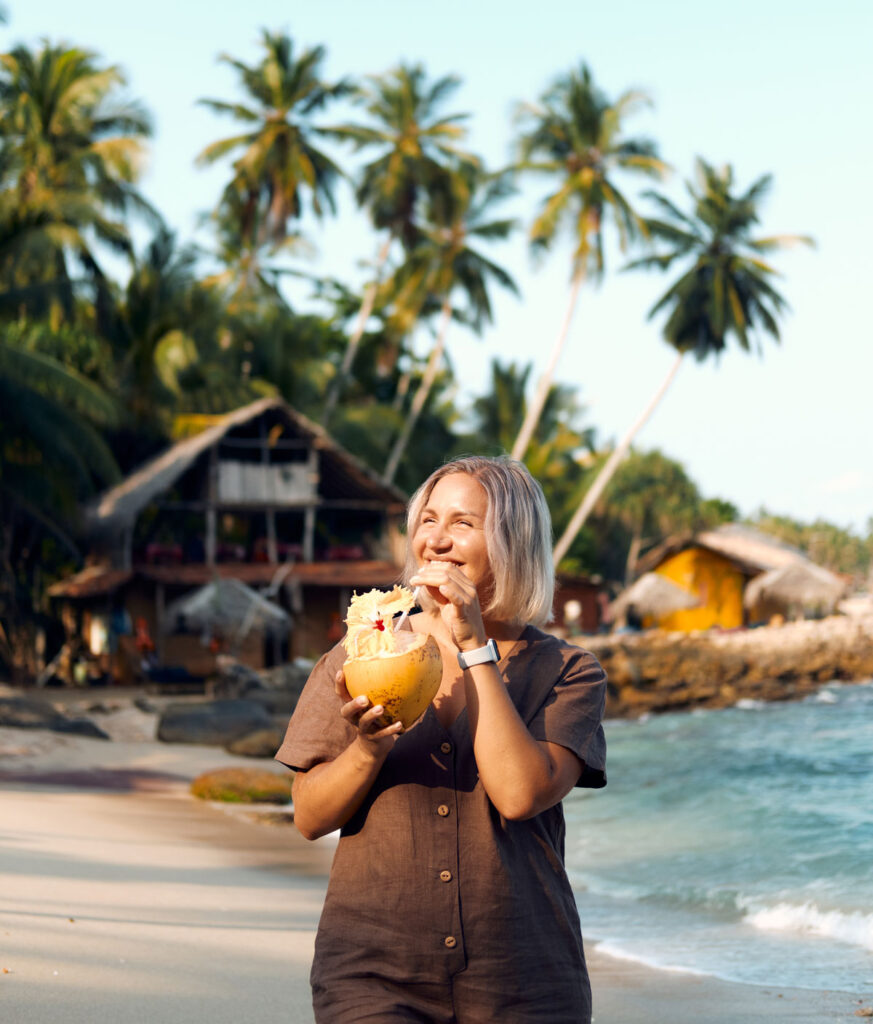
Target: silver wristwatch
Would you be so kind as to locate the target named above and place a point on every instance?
(479, 656)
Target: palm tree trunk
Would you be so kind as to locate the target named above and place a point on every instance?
(351, 351)
(535, 409)
(633, 555)
(592, 495)
(421, 396)
(402, 389)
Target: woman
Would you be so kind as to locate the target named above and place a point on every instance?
(448, 900)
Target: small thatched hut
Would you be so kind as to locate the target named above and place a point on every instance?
(717, 566)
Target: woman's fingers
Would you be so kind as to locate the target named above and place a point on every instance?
(359, 713)
(449, 583)
(339, 684)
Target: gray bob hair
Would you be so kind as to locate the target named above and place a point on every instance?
(518, 529)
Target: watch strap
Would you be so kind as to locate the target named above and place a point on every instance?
(479, 656)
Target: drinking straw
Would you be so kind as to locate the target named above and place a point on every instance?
(404, 615)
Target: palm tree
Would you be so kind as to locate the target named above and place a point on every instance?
(497, 414)
(575, 135)
(246, 280)
(725, 292)
(278, 160)
(414, 144)
(52, 455)
(71, 158)
(443, 263)
(554, 449)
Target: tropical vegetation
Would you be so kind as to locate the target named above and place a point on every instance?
(111, 346)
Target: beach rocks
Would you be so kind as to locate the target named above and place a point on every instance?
(261, 743)
(243, 785)
(212, 723)
(659, 671)
(34, 713)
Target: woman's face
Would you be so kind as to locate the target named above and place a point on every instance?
(452, 528)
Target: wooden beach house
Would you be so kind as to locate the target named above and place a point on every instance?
(263, 496)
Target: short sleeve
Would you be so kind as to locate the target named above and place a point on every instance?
(317, 731)
(572, 715)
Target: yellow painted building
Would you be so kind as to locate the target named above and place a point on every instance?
(716, 581)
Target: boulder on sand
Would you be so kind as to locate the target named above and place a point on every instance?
(212, 723)
(33, 713)
(262, 743)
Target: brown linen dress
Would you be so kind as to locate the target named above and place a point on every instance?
(438, 909)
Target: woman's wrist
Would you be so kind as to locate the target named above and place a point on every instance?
(473, 644)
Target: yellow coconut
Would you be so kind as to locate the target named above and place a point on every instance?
(400, 670)
(404, 682)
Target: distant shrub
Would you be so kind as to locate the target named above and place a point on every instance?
(243, 786)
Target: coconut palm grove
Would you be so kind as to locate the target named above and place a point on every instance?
(118, 337)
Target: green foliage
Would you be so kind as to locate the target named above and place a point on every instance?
(279, 161)
(727, 290)
(651, 497)
(53, 455)
(561, 437)
(414, 145)
(96, 373)
(575, 136)
(71, 155)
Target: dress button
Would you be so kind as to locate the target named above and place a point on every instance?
(446, 748)
(446, 876)
(443, 810)
(450, 941)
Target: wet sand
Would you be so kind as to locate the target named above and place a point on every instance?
(122, 898)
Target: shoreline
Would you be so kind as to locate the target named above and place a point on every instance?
(657, 671)
(185, 911)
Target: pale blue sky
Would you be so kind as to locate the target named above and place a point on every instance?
(769, 86)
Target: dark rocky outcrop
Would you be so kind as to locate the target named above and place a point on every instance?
(34, 713)
(657, 671)
(212, 723)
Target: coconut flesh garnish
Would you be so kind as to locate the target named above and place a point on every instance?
(401, 670)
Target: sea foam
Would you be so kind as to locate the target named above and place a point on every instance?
(618, 952)
(855, 928)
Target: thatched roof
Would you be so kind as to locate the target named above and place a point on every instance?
(799, 585)
(750, 550)
(226, 604)
(349, 477)
(653, 595)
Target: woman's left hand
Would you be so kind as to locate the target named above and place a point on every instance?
(458, 600)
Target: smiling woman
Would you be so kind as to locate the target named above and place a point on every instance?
(508, 508)
(448, 899)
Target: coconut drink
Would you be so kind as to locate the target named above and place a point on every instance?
(399, 669)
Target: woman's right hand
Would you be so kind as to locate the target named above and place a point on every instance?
(375, 740)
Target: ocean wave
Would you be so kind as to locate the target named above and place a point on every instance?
(855, 929)
(750, 704)
(610, 948)
(823, 697)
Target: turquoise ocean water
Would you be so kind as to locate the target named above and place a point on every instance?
(737, 842)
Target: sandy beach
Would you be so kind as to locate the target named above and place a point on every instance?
(123, 898)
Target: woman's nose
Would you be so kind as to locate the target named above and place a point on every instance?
(438, 539)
